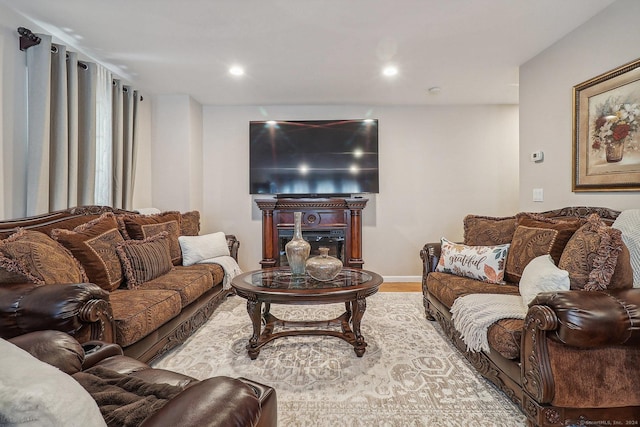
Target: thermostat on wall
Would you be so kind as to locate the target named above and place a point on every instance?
(537, 156)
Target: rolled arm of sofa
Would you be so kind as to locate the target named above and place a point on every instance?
(234, 245)
(217, 401)
(593, 319)
(596, 330)
(81, 310)
(430, 254)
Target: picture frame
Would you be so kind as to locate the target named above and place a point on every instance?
(606, 131)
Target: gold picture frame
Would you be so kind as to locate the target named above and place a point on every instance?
(606, 131)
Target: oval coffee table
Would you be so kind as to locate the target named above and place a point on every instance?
(278, 286)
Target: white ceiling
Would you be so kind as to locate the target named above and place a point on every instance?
(314, 51)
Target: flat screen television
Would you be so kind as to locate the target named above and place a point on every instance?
(314, 158)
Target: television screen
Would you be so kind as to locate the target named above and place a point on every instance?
(313, 158)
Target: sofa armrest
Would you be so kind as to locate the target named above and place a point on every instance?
(97, 351)
(53, 347)
(430, 255)
(81, 310)
(217, 401)
(234, 245)
(576, 323)
(594, 319)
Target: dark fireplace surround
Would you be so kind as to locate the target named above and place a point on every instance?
(335, 223)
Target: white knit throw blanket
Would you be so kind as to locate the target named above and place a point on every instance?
(228, 264)
(628, 222)
(473, 314)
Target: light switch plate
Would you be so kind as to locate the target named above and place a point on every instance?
(538, 195)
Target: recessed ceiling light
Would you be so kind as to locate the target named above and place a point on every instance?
(390, 70)
(236, 70)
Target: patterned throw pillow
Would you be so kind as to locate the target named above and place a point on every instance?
(535, 236)
(487, 230)
(145, 260)
(190, 223)
(94, 245)
(484, 263)
(142, 227)
(32, 256)
(596, 257)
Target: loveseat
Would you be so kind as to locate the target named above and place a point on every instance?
(99, 273)
(95, 384)
(573, 356)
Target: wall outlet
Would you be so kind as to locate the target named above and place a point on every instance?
(538, 195)
(537, 156)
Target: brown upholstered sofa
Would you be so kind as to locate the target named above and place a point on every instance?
(118, 279)
(574, 359)
(126, 392)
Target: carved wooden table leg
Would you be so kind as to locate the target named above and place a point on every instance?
(254, 309)
(358, 306)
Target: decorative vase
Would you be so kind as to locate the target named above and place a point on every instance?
(323, 267)
(297, 249)
(615, 151)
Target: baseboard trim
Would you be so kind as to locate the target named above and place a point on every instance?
(402, 278)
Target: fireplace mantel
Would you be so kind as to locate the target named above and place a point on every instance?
(342, 216)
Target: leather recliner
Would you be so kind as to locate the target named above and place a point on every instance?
(216, 401)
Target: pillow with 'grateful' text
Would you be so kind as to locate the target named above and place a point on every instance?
(485, 263)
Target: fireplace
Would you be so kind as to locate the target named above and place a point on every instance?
(332, 239)
(335, 223)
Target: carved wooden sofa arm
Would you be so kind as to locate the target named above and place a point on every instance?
(81, 310)
(590, 335)
(234, 245)
(430, 254)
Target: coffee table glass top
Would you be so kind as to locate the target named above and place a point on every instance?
(279, 278)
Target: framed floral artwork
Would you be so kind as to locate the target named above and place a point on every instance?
(606, 131)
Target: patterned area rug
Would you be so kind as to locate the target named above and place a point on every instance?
(409, 375)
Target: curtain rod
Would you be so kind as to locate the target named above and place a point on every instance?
(27, 38)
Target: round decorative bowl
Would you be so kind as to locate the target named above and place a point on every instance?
(323, 267)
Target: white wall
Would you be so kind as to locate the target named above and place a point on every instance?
(177, 153)
(605, 42)
(437, 165)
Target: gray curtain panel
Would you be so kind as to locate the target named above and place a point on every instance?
(62, 132)
(125, 104)
(118, 135)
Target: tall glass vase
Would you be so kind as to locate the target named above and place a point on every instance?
(297, 249)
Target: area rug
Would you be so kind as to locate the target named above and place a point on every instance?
(410, 375)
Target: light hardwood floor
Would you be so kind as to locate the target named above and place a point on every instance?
(401, 287)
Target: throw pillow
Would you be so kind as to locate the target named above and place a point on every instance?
(591, 257)
(94, 245)
(34, 393)
(487, 230)
(542, 275)
(190, 223)
(628, 222)
(484, 263)
(144, 260)
(198, 248)
(32, 256)
(535, 236)
(141, 227)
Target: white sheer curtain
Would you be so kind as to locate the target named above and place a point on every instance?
(79, 152)
(104, 138)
